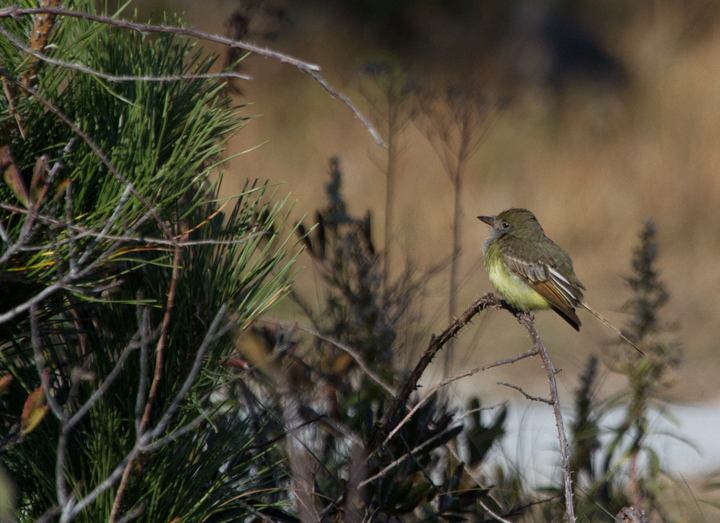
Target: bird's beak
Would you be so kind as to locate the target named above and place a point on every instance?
(490, 220)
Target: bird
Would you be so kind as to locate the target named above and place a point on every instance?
(530, 271)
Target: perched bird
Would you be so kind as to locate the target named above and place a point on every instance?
(528, 269)
(531, 271)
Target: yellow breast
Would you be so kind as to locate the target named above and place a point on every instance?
(511, 287)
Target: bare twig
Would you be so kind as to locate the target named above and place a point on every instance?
(483, 409)
(455, 123)
(143, 320)
(349, 350)
(81, 232)
(528, 396)
(519, 509)
(420, 466)
(109, 223)
(213, 333)
(114, 78)
(69, 220)
(72, 274)
(305, 67)
(526, 320)
(448, 381)
(436, 343)
(160, 348)
(159, 358)
(177, 433)
(54, 405)
(495, 516)
(396, 107)
(32, 213)
(478, 481)
(133, 514)
(405, 456)
(107, 381)
(49, 515)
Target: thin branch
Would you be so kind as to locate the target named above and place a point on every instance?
(212, 334)
(4, 235)
(528, 396)
(15, 11)
(346, 100)
(32, 214)
(59, 284)
(110, 480)
(420, 466)
(496, 517)
(520, 508)
(68, 424)
(256, 512)
(405, 456)
(176, 434)
(50, 514)
(133, 514)
(102, 389)
(305, 67)
(69, 220)
(468, 470)
(436, 343)
(160, 348)
(114, 78)
(482, 409)
(12, 110)
(109, 223)
(59, 164)
(159, 358)
(83, 233)
(526, 320)
(60, 483)
(143, 325)
(448, 381)
(349, 350)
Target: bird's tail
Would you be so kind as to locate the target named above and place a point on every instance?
(609, 325)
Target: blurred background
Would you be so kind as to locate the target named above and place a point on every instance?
(594, 114)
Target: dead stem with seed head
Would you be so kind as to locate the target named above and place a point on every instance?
(396, 108)
(455, 121)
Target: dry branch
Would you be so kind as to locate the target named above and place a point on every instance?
(436, 343)
(526, 320)
(305, 67)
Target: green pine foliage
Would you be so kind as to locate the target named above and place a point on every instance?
(95, 256)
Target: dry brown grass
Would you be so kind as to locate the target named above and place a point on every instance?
(591, 167)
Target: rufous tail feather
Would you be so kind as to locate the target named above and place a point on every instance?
(608, 325)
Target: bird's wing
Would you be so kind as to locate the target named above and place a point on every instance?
(548, 282)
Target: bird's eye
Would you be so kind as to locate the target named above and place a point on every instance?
(505, 225)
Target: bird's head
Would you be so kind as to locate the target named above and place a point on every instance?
(519, 223)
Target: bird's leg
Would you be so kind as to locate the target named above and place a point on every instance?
(505, 305)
